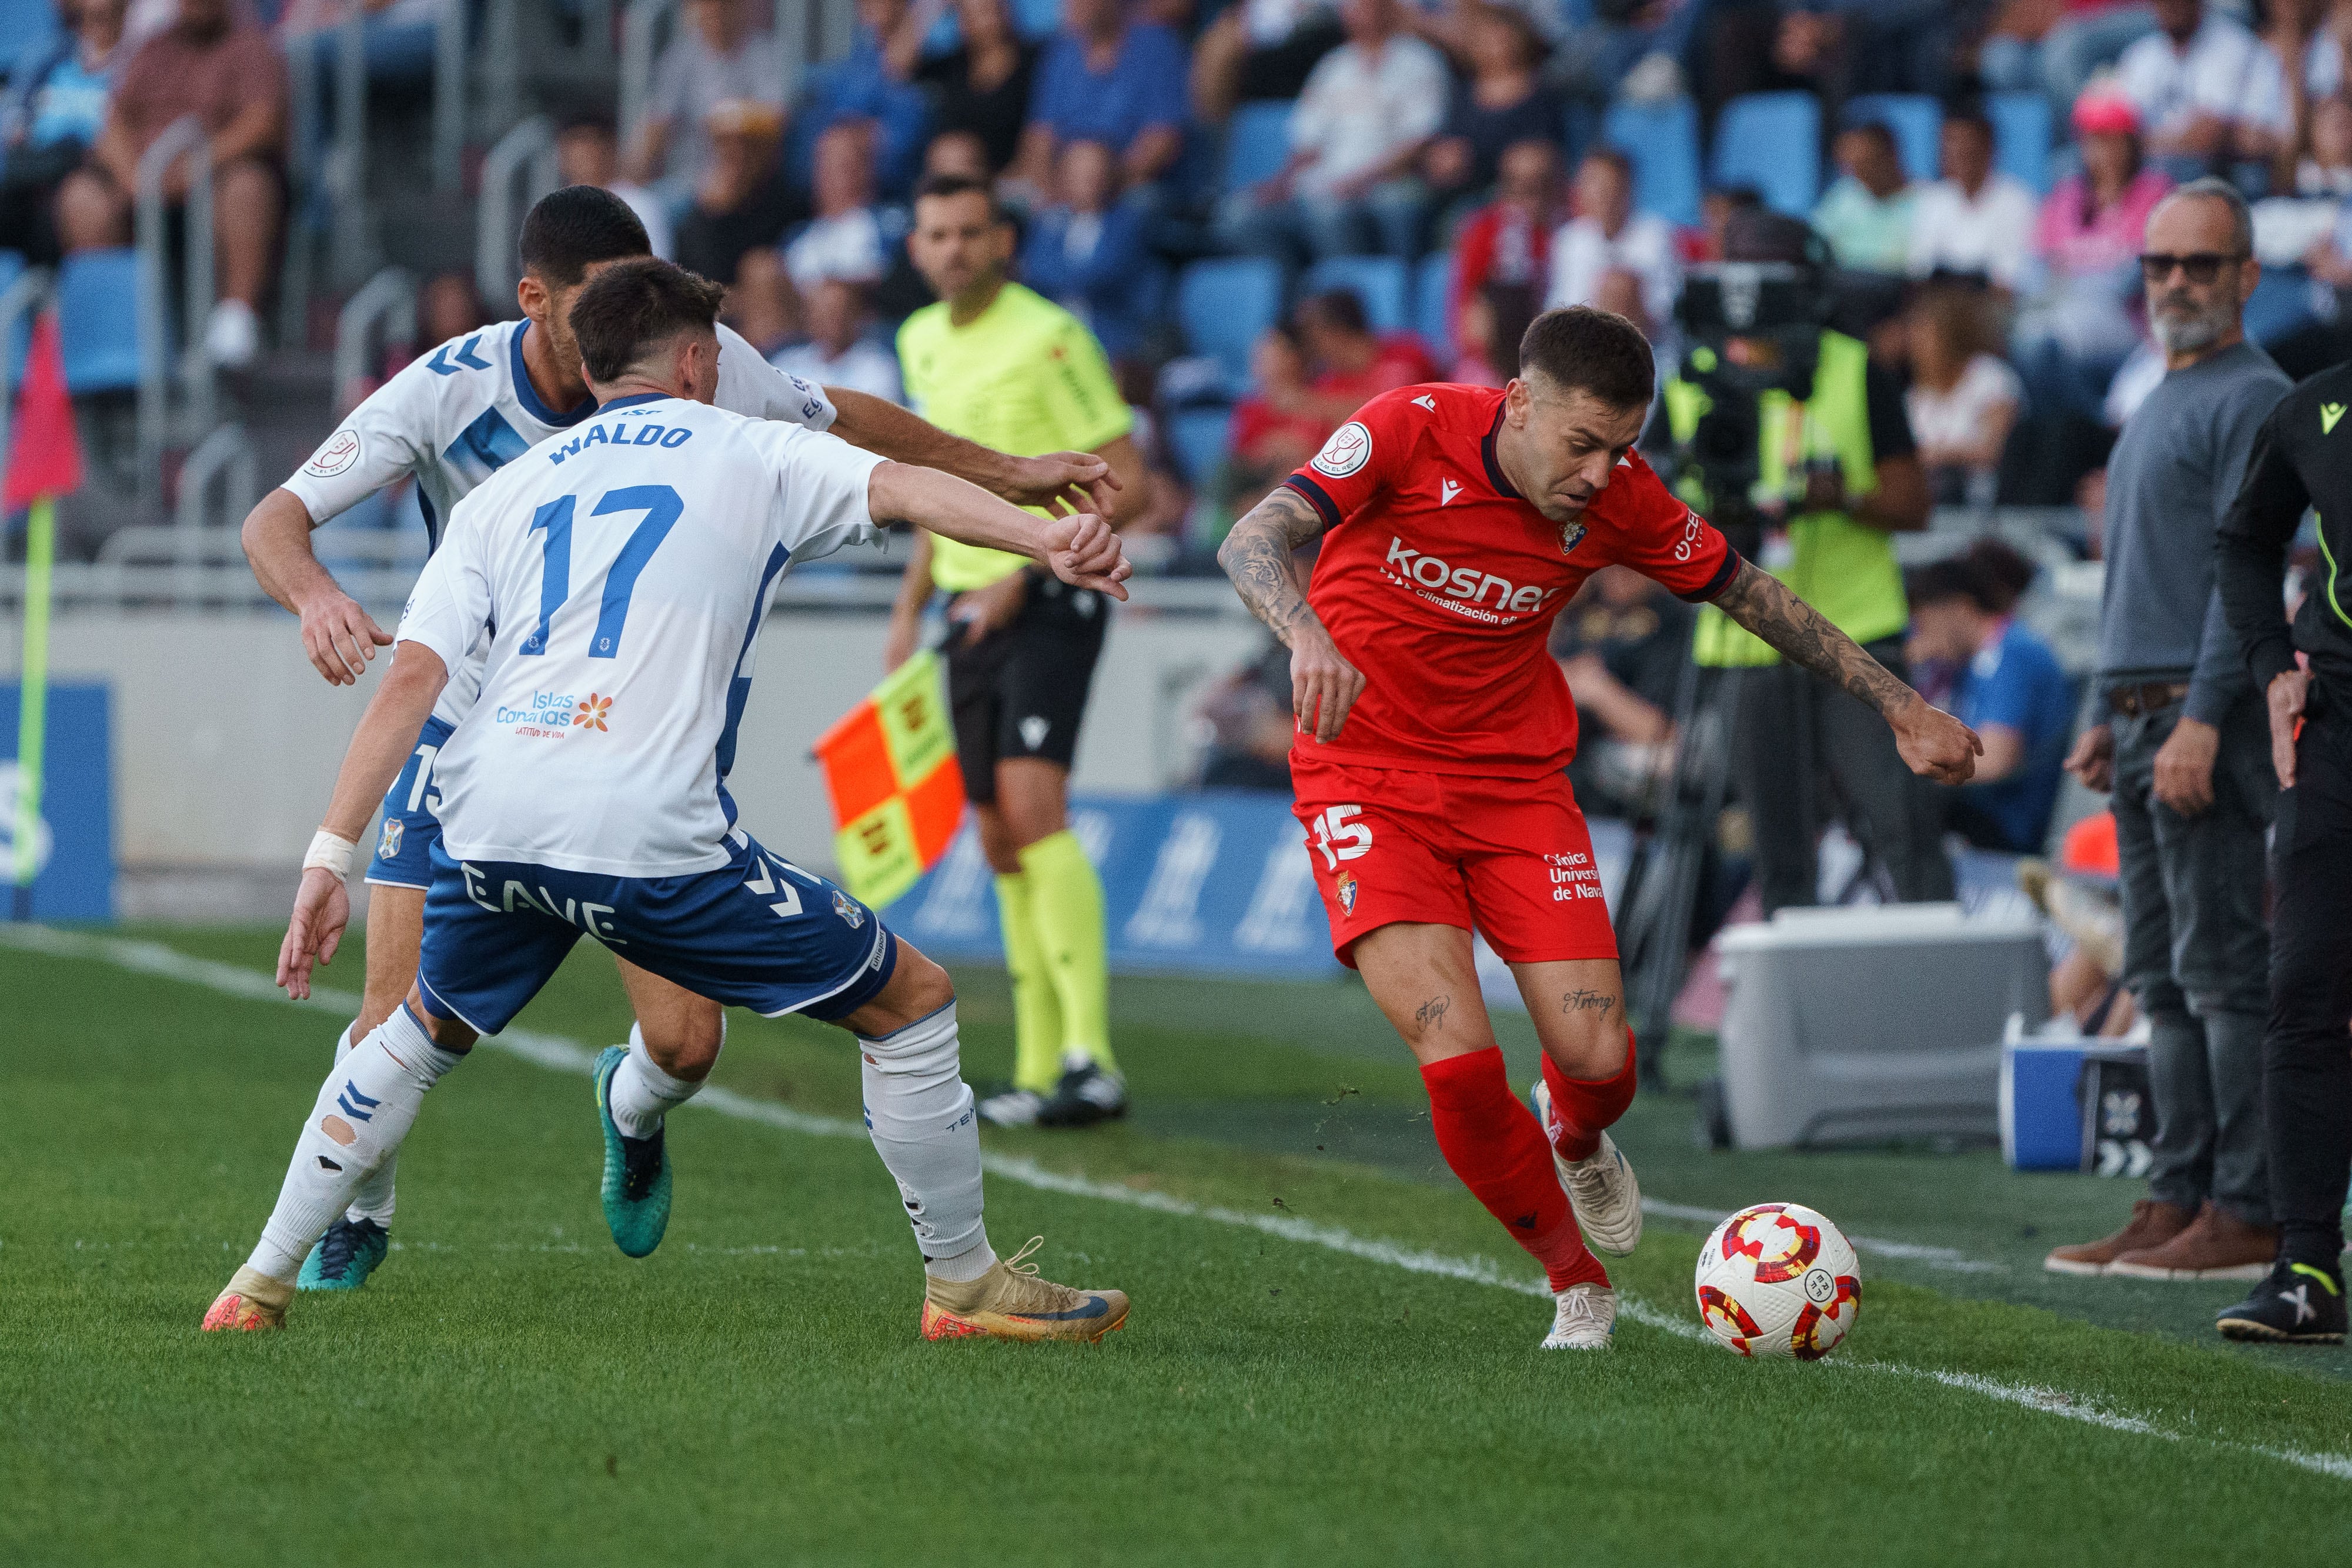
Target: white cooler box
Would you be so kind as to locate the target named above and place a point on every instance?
(1855, 1024)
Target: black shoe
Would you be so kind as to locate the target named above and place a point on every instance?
(2296, 1303)
(1084, 1096)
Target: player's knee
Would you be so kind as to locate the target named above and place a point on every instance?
(1589, 1043)
(918, 988)
(686, 1047)
(448, 1033)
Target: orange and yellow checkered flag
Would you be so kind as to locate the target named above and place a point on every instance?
(897, 794)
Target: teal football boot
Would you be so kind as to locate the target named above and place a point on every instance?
(345, 1256)
(637, 1172)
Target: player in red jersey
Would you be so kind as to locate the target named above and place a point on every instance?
(1433, 730)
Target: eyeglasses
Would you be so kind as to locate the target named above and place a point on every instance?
(2202, 267)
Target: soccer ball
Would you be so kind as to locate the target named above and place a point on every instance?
(1779, 1280)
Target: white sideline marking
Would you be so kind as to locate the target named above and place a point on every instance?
(564, 1055)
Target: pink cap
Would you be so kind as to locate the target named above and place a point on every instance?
(2105, 113)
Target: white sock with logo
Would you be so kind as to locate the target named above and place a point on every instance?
(375, 1199)
(641, 1093)
(918, 1113)
(364, 1109)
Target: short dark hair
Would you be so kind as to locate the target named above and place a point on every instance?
(632, 307)
(571, 230)
(589, 120)
(2005, 571)
(962, 185)
(1580, 349)
(1955, 577)
(1973, 117)
(1341, 309)
(1615, 158)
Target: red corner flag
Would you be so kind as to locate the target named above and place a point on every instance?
(44, 457)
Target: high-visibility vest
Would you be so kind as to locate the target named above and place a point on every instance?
(1845, 569)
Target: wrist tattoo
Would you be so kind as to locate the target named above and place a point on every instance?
(1803, 635)
(1257, 556)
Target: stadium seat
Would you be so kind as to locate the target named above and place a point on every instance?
(1431, 285)
(1771, 140)
(12, 268)
(1917, 122)
(2021, 135)
(1257, 144)
(1223, 305)
(1662, 138)
(1196, 439)
(1380, 281)
(98, 319)
(1037, 18)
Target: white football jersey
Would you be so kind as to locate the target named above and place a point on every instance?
(622, 644)
(454, 417)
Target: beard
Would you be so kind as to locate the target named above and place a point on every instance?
(2180, 329)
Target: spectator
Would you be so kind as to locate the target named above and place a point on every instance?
(2324, 54)
(1352, 365)
(1277, 427)
(1623, 642)
(718, 58)
(588, 152)
(1087, 253)
(1637, 50)
(51, 118)
(1103, 80)
(230, 77)
(844, 239)
(837, 353)
(870, 84)
(2078, 330)
(447, 306)
(2324, 173)
(1715, 214)
(1249, 721)
(741, 202)
(1866, 215)
(398, 39)
(1356, 136)
(1501, 253)
(2209, 95)
(1964, 398)
(1479, 347)
(1974, 221)
(1499, 104)
(1608, 238)
(1257, 51)
(983, 86)
(2009, 690)
(2055, 46)
(763, 304)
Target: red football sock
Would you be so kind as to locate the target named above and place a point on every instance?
(1581, 1108)
(1492, 1142)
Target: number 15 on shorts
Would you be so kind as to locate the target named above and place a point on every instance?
(1340, 837)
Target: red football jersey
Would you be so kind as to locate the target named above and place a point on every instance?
(1440, 583)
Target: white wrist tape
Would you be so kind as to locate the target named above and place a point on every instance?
(331, 851)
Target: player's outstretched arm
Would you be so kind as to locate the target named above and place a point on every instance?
(339, 636)
(1071, 481)
(1257, 556)
(379, 748)
(1934, 743)
(1079, 550)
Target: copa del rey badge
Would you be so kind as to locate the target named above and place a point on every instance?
(1350, 448)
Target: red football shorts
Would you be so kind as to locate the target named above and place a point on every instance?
(1509, 858)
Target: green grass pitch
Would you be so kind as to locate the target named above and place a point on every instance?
(1329, 1360)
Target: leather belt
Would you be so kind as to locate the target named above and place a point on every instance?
(2146, 697)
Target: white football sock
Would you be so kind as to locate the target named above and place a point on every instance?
(375, 1199)
(641, 1093)
(918, 1111)
(363, 1112)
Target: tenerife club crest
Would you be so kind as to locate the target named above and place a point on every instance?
(387, 843)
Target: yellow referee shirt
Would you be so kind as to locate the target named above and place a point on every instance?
(1025, 376)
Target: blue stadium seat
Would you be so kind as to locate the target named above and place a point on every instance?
(1431, 287)
(2021, 135)
(1380, 281)
(20, 343)
(28, 29)
(1917, 122)
(1771, 140)
(1036, 18)
(1257, 144)
(1197, 439)
(1224, 305)
(1662, 138)
(98, 319)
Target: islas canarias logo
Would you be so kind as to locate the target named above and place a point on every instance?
(590, 714)
(550, 715)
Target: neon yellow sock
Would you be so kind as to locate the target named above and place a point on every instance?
(1067, 900)
(1037, 1011)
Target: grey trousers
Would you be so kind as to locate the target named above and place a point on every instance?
(2197, 955)
(1805, 753)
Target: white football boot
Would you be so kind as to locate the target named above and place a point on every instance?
(1601, 1186)
(1584, 1319)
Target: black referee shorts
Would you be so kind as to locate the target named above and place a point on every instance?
(1022, 692)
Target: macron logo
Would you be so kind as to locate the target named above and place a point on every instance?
(1446, 490)
(1425, 401)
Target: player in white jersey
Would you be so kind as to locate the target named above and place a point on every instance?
(452, 419)
(586, 791)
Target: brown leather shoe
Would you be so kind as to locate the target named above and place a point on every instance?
(2153, 1223)
(2219, 1245)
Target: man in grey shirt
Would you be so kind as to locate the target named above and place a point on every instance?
(2180, 738)
(721, 54)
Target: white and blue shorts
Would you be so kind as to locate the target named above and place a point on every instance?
(410, 830)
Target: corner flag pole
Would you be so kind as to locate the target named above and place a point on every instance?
(33, 699)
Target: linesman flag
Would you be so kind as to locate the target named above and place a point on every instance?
(44, 462)
(897, 794)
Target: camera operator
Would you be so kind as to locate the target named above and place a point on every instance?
(1779, 423)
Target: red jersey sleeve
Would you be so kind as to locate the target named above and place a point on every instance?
(1651, 530)
(1357, 461)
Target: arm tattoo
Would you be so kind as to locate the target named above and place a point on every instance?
(1257, 556)
(1762, 603)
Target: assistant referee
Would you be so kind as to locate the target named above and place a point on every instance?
(997, 365)
(2300, 460)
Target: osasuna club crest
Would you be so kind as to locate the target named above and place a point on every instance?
(1347, 886)
(1570, 535)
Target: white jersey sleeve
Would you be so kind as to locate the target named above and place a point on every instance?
(389, 435)
(449, 607)
(822, 483)
(749, 385)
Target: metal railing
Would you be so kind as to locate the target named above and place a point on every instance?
(502, 52)
(347, 160)
(389, 299)
(183, 139)
(527, 151)
(228, 455)
(449, 97)
(641, 29)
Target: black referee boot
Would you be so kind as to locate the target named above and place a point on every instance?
(2296, 1303)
